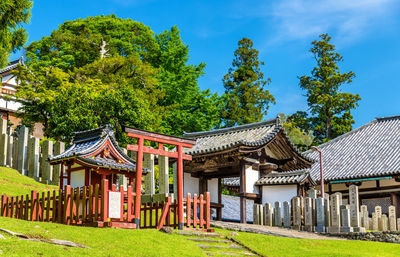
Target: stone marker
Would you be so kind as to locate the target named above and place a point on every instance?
(312, 193)
(296, 207)
(22, 149)
(354, 209)
(374, 222)
(15, 153)
(286, 214)
(33, 157)
(345, 218)
(268, 211)
(163, 173)
(45, 167)
(320, 211)
(335, 214)
(3, 149)
(384, 222)
(260, 214)
(3, 126)
(398, 224)
(59, 147)
(10, 151)
(308, 214)
(174, 175)
(364, 217)
(278, 214)
(327, 211)
(392, 218)
(149, 181)
(255, 214)
(378, 212)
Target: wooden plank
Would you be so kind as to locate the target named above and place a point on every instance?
(201, 211)
(16, 215)
(3, 202)
(27, 210)
(42, 209)
(7, 211)
(72, 206)
(157, 213)
(121, 190)
(60, 206)
(11, 212)
(129, 210)
(33, 205)
(164, 213)
(54, 207)
(21, 208)
(67, 205)
(96, 202)
(151, 214)
(159, 152)
(48, 207)
(90, 210)
(77, 205)
(195, 202)
(104, 200)
(85, 191)
(188, 210)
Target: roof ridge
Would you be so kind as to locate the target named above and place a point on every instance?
(388, 118)
(344, 135)
(232, 129)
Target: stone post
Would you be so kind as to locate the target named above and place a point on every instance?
(3, 126)
(354, 209)
(364, 217)
(398, 224)
(45, 167)
(312, 193)
(22, 149)
(327, 211)
(15, 153)
(3, 149)
(278, 214)
(10, 151)
(296, 207)
(308, 214)
(392, 218)
(163, 171)
(345, 218)
(59, 147)
(148, 163)
(268, 211)
(335, 214)
(374, 220)
(286, 214)
(33, 157)
(384, 221)
(256, 214)
(378, 212)
(320, 211)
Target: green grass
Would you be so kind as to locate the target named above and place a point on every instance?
(281, 246)
(12, 183)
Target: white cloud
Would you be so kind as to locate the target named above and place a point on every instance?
(347, 19)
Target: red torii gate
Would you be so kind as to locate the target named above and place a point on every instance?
(161, 139)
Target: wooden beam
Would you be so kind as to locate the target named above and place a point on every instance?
(158, 152)
(160, 138)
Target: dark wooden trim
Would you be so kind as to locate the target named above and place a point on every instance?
(87, 177)
(77, 168)
(158, 152)
(243, 218)
(369, 189)
(160, 138)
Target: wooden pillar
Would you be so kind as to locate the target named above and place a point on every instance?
(395, 198)
(219, 210)
(139, 165)
(242, 192)
(180, 186)
(87, 176)
(62, 176)
(69, 175)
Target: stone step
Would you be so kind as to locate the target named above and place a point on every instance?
(199, 234)
(209, 240)
(219, 247)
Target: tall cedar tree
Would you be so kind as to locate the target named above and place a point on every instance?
(12, 35)
(246, 99)
(329, 107)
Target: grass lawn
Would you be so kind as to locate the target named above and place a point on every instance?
(13, 183)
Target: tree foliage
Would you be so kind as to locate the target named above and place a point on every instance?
(145, 81)
(329, 108)
(246, 99)
(12, 36)
(301, 138)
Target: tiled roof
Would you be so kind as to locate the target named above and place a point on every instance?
(372, 150)
(231, 181)
(12, 65)
(87, 142)
(284, 178)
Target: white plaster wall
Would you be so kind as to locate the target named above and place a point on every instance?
(213, 189)
(9, 104)
(251, 177)
(280, 193)
(78, 178)
(190, 185)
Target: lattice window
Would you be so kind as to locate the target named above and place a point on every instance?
(372, 202)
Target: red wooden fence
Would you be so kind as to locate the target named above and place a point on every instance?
(90, 206)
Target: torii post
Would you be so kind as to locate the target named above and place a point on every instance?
(141, 136)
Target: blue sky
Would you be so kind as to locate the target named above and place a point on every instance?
(365, 32)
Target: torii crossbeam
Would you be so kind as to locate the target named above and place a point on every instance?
(161, 139)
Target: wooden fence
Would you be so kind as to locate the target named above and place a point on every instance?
(93, 206)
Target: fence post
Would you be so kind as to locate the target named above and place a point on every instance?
(201, 210)
(188, 210)
(67, 204)
(3, 202)
(129, 194)
(33, 205)
(121, 190)
(195, 202)
(104, 200)
(208, 210)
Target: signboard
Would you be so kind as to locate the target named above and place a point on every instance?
(114, 205)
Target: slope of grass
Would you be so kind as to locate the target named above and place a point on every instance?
(282, 246)
(12, 183)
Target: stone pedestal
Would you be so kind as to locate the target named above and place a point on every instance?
(345, 218)
(320, 211)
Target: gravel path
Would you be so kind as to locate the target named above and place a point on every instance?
(274, 231)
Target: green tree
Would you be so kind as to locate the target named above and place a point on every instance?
(246, 99)
(329, 107)
(301, 138)
(12, 36)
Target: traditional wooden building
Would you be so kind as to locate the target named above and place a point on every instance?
(257, 155)
(368, 157)
(94, 155)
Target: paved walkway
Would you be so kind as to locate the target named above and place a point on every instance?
(274, 231)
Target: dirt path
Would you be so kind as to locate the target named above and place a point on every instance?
(273, 231)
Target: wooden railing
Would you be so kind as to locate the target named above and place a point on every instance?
(90, 206)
